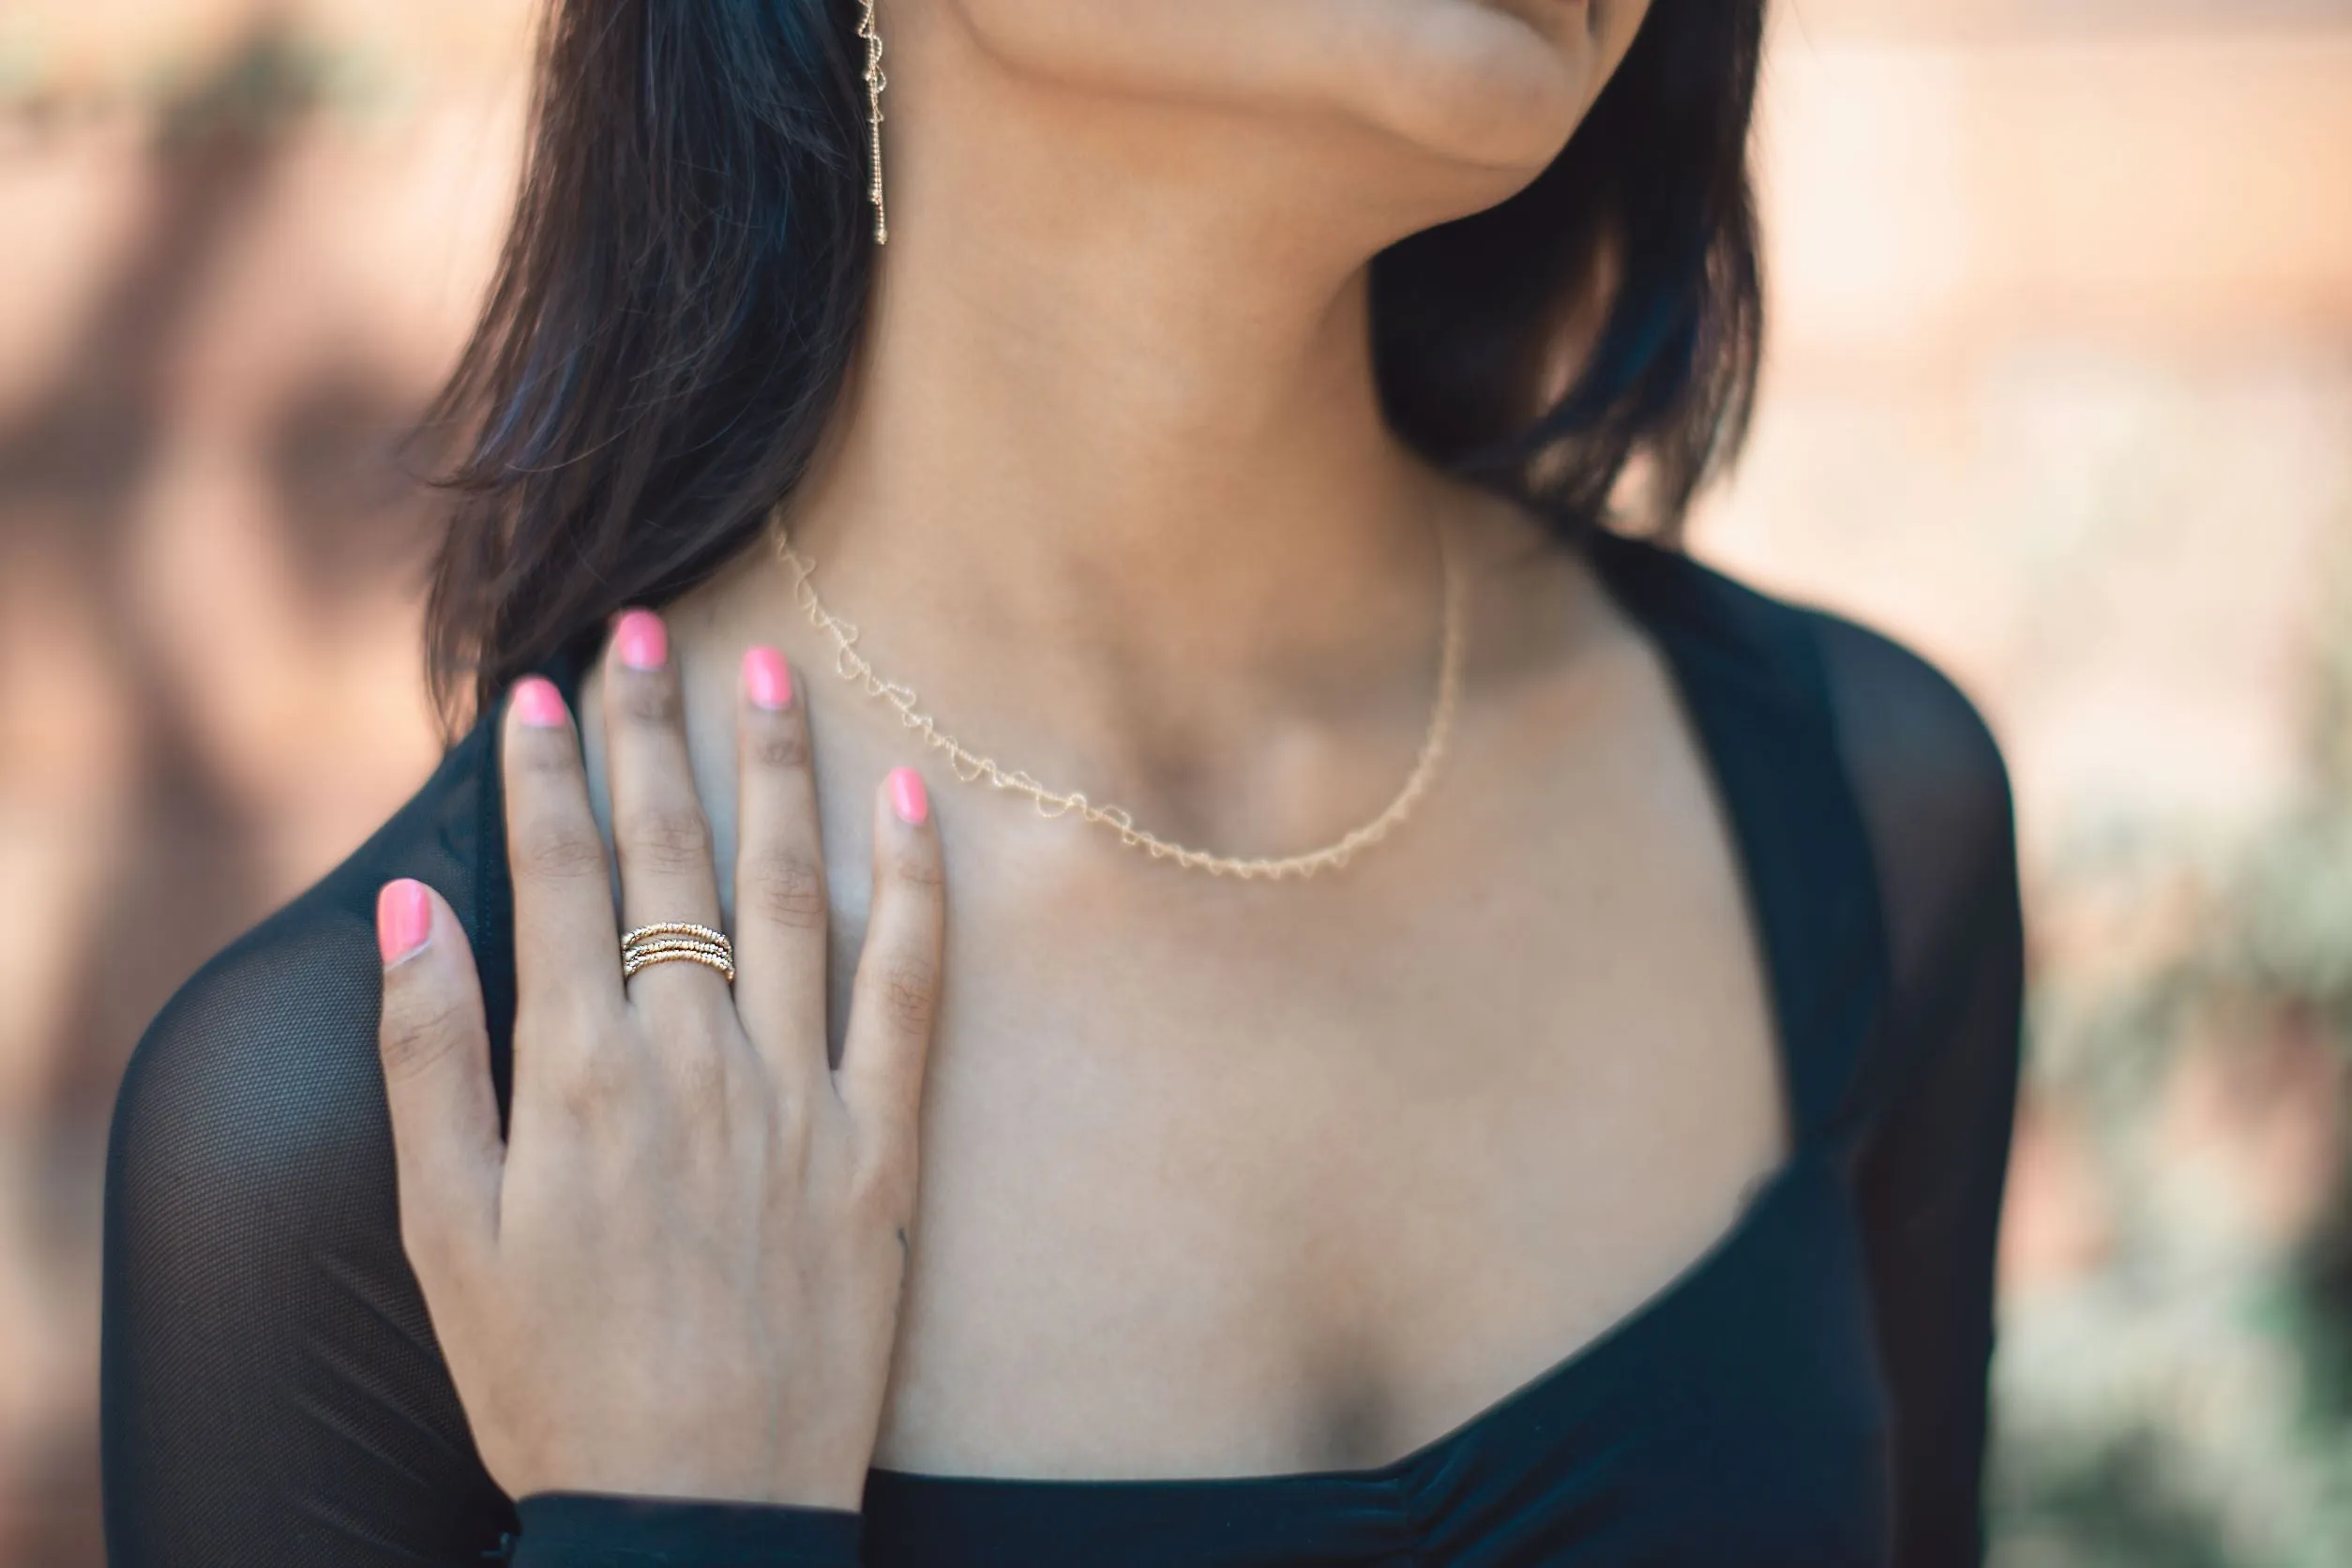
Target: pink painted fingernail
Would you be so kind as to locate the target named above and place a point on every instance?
(404, 918)
(538, 703)
(907, 795)
(643, 642)
(766, 680)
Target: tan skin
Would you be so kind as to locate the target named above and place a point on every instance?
(1215, 1178)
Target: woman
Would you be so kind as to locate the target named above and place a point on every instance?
(1521, 1074)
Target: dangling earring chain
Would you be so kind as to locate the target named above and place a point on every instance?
(875, 82)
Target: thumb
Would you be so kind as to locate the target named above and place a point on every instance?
(436, 1079)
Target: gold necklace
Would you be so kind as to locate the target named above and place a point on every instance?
(972, 768)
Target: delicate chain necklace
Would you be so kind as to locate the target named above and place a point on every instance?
(852, 666)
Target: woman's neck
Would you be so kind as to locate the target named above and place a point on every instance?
(1111, 476)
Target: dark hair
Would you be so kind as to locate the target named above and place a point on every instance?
(690, 258)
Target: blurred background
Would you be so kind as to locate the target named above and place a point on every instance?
(2059, 390)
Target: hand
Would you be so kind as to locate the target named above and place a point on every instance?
(680, 1274)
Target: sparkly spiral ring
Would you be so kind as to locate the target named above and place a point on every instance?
(677, 942)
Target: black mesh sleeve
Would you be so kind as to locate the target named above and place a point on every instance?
(270, 1389)
(271, 1394)
(1936, 801)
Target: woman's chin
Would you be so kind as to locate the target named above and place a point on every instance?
(1482, 92)
(1493, 86)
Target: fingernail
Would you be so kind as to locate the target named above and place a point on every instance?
(538, 703)
(404, 918)
(907, 796)
(643, 640)
(766, 680)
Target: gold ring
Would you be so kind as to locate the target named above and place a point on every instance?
(676, 942)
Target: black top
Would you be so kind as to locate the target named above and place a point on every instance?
(1810, 1391)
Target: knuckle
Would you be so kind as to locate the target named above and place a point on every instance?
(543, 753)
(704, 1077)
(558, 1014)
(787, 886)
(596, 1079)
(418, 1033)
(910, 993)
(650, 701)
(780, 744)
(669, 839)
(559, 852)
(920, 873)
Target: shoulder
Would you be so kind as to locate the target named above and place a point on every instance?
(263, 1062)
(1930, 788)
(268, 1369)
(1913, 741)
(1913, 737)
(1933, 789)
(1914, 751)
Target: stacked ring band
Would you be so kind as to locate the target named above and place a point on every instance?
(677, 942)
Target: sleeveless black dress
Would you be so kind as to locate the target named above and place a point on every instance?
(1810, 1391)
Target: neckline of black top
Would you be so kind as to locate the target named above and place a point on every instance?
(1758, 709)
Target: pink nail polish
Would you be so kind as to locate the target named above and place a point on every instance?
(907, 795)
(404, 918)
(538, 703)
(642, 641)
(767, 680)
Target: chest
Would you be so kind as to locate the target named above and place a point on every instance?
(1313, 1172)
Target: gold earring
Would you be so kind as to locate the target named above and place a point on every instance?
(875, 82)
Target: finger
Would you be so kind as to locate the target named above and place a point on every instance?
(566, 951)
(893, 1002)
(780, 900)
(659, 829)
(435, 1051)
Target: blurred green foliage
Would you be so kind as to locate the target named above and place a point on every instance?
(2187, 1401)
